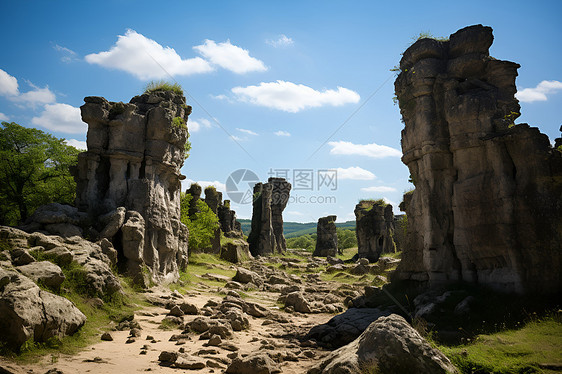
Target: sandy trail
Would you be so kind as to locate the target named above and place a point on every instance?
(117, 356)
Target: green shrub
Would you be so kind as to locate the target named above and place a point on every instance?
(155, 86)
(202, 226)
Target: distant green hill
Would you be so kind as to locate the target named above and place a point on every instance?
(293, 229)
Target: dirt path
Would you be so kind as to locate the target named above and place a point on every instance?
(117, 356)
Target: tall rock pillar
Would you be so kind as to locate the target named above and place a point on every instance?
(486, 207)
(270, 199)
(129, 179)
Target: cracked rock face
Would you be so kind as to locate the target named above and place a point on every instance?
(487, 207)
(132, 169)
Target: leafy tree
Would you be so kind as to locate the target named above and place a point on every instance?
(346, 239)
(34, 170)
(202, 226)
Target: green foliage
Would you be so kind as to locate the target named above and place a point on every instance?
(307, 242)
(155, 86)
(179, 122)
(202, 226)
(34, 170)
(346, 239)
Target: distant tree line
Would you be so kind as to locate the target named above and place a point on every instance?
(346, 239)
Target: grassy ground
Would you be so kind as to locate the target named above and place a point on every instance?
(535, 348)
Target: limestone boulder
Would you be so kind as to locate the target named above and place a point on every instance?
(247, 276)
(27, 312)
(388, 345)
(345, 327)
(255, 363)
(44, 272)
(235, 251)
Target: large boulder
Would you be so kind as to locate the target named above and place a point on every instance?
(235, 251)
(389, 345)
(27, 312)
(255, 363)
(344, 328)
(44, 272)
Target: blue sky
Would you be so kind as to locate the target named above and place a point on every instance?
(296, 88)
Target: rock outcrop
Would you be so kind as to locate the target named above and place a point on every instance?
(227, 219)
(270, 199)
(374, 227)
(486, 207)
(129, 179)
(326, 237)
(388, 345)
(27, 312)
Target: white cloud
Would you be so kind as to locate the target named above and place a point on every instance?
(8, 84)
(249, 132)
(221, 187)
(3, 117)
(282, 41)
(68, 54)
(282, 133)
(77, 143)
(370, 150)
(196, 125)
(529, 95)
(36, 96)
(291, 97)
(355, 173)
(9, 87)
(380, 189)
(61, 117)
(146, 59)
(230, 57)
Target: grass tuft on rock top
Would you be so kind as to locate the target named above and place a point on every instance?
(155, 86)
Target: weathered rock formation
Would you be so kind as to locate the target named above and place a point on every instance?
(326, 237)
(195, 191)
(374, 227)
(29, 312)
(270, 199)
(388, 345)
(129, 179)
(487, 206)
(227, 219)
